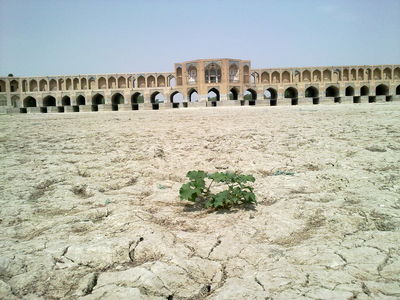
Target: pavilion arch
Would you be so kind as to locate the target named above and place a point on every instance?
(83, 84)
(66, 101)
(192, 74)
(68, 84)
(316, 75)
(141, 82)
(157, 97)
(98, 99)
(270, 94)
(364, 91)
(176, 97)
(193, 96)
(2, 86)
(336, 75)
(213, 95)
(80, 100)
(178, 76)
(360, 74)
(327, 75)
(29, 102)
(332, 91)
(253, 78)
(368, 73)
(250, 94)
(160, 81)
(306, 76)
(382, 90)
(116, 99)
(101, 83)
(346, 74)
(151, 81)
(112, 83)
(42, 85)
(291, 93)
(14, 86)
(137, 98)
(311, 92)
(212, 73)
(33, 86)
(276, 78)
(285, 77)
(75, 84)
(398, 90)
(377, 75)
(353, 75)
(121, 82)
(130, 82)
(53, 85)
(246, 74)
(92, 83)
(396, 73)
(233, 73)
(49, 101)
(265, 77)
(349, 91)
(387, 74)
(233, 94)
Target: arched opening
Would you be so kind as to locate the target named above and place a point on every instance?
(24, 85)
(250, 95)
(49, 101)
(98, 99)
(141, 82)
(246, 74)
(151, 81)
(13, 86)
(360, 74)
(76, 84)
(53, 85)
(353, 74)
(42, 85)
(192, 75)
(176, 97)
(265, 77)
(271, 95)
(233, 73)
(172, 81)
(32, 86)
(377, 74)
(213, 95)
(66, 101)
(80, 100)
(292, 94)
(193, 96)
(157, 97)
(345, 74)
(398, 90)
(92, 83)
(381, 90)
(2, 86)
(327, 75)
(316, 76)
(116, 99)
(212, 73)
(121, 82)
(285, 77)
(112, 83)
(29, 102)
(101, 84)
(179, 76)
(233, 94)
(83, 84)
(332, 91)
(68, 84)
(136, 98)
(396, 73)
(15, 101)
(160, 81)
(364, 91)
(306, 76)
(311, 92)
(349, 91)
(276, 77)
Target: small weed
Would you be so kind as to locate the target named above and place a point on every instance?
(282, 172)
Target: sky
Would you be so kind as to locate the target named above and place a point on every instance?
(68, 37)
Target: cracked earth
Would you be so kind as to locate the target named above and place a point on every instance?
(90, 206)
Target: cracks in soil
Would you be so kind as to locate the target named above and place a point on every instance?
(217, 243)
(131, 252)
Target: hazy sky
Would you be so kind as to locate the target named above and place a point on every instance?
(54, 37)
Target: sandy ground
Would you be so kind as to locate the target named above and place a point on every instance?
(90, 206)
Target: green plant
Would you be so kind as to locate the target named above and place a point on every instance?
(198, 189)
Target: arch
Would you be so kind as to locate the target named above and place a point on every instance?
(98, 99)
(364, 91)
(80, 100)
(49, 101)
(92, 83)
(396, 73)
(29, 102)
(53, 85)
(250, 94)
(233, 73)
(176, 97)
(285, 77)
(2, 86)
(171, 81)
(101, 84)
(141, 82)
(349, 91)
(398, 90)
(66, 101)
(213, 95)
(121, 82)
(60, 84)
(192, 74)
(360, 74)
(368, 73)
(83, 84)
(306, 76)
(311, 92)
(24, 85)
(332, 91)
(377, 75)
(345, 74)
(131, 82)
(387, 74)
(276, 77)
(193, 96)
(265, 77)
(327, 74)
(253, 78)
(270, 94)
(179, 76)
(116, 99)
(212, 73)
(137, 98)
(381, 90)
(160, 81)
(68, 84)
(42, 85)
(316, 75)
(151, 81)
(291, 93)
(353, 74)
(33, 87)
(14, 86)
(336, 75)
(15, 101)
(75, 84)
(112, 83)
(157, 97)
(233, 94)
(246, 74)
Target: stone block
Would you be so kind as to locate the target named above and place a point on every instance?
(125, 107)
(69, 109)
(33, 110)
(104, 107)
(85, 108)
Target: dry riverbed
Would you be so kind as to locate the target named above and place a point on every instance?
(90, 206)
